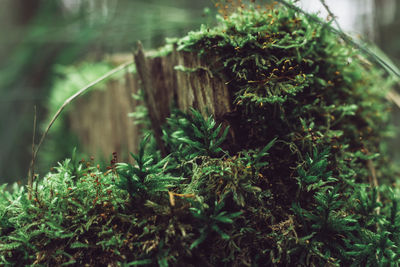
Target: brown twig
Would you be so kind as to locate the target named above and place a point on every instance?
(69, 100)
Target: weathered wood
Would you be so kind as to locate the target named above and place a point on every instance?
(197, 87)
(182, 79)
(100, 119)
(152, 78)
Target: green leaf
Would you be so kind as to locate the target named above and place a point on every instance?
(140, 262)
(199, 240)
(78, 244)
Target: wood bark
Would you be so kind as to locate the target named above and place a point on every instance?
(181, 79)
(100, 119)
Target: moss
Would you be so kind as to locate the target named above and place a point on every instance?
(294, 79)
(165, 50)
(293, 186)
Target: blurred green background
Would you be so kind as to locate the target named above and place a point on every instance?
(38, 35)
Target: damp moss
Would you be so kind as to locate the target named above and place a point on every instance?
(296, 183)
(293, 78)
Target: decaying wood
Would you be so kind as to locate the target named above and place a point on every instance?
(198, 87)
(156, 100)
(181, 79)
(101, 120)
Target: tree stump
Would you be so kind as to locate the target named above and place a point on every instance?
(181, 79)
(100, 120)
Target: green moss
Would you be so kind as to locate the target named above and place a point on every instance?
(293, 78)
(292, 185)
(166, 49)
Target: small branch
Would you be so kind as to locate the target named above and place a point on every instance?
(69, 100)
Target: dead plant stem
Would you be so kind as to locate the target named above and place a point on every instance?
(68, 101)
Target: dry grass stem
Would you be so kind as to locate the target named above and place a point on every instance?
(68, 101)
(363, 48)
(394, 97)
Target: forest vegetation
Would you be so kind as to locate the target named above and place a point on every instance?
(295, 174)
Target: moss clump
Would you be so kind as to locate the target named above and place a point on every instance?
(282, 64)
(292, 185)
(294, 79)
